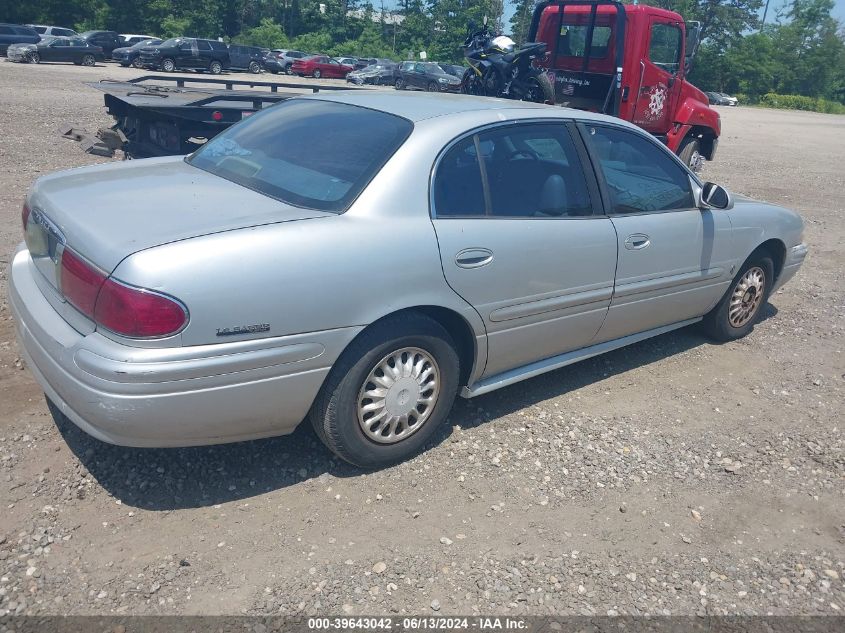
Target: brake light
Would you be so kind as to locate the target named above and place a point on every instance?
(136, 312)
(25, 216)
(217, 115)
(80, 282)
(125, 310)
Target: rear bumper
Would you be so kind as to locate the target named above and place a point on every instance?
(177, 396)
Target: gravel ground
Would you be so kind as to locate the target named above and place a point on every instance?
(671, 477)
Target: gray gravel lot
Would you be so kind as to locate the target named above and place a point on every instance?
(672, 477)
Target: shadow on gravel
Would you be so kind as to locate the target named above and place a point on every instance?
(169, 479)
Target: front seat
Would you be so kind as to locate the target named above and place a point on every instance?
(553, 197)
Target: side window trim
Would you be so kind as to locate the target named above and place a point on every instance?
(594, 188)
(583, 126)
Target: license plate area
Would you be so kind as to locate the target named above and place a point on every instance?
(46, 245)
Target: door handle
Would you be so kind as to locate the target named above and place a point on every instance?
(473, 257)
(637, 241)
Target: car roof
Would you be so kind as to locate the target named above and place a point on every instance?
(417, 106)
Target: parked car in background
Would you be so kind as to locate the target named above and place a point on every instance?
(347, 61)
(521, 253)
(453, 69)
(250, 58)
(363, 62)
(130, 39)
(16, 34)
(281, 60)
(376, 74)
(186, 53)
(57, 49)
(131, 55)
(428, 76)
(60, 31)
(320, 66)
(107, 40)
(729, 100)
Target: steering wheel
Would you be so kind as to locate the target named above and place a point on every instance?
(530, 153)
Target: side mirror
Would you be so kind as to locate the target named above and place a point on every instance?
(715, 196)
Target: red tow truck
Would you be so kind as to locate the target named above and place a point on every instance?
(638, 59)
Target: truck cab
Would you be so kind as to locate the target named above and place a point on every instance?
(629, 61)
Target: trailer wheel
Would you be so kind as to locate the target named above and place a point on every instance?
(690, 154)
(168, 65)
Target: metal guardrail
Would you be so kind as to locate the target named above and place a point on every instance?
(231, 83)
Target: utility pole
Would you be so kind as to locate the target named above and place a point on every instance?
(765, 11)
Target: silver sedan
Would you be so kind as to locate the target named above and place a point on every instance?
(361, 259)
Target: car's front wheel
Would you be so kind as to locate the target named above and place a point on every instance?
(254, 67)
(168, 65)
(739, 309)
(136, 63)
(33, 58)
(88, 60)
(388, 392)
(399, 84)
(317, 73)
(215, 67)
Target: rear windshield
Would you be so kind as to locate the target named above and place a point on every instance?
(308, 153)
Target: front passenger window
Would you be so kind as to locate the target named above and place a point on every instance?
(641, 177)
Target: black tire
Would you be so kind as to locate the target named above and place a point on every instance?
(33, 58)
(288, 70)
(690, 154)
(334, 413)
(254, 67)
(215, 67)
(88, 60)
(168, 65)
(541, 91)
(718, 323)
(317, 74)
(432, 87)
(136, 63)
(399, 84)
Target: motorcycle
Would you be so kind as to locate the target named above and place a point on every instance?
(498, 69)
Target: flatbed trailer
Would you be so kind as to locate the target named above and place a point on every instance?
(160, 115)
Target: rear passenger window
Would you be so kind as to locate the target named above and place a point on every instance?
(517, 171)
(203, 45)
(640, 176)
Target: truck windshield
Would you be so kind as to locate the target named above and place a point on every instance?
(305, 152)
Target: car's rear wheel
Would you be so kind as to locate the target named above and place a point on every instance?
(33, 57)
(254, 67)
(690, 154)
(168, 65)
(215, 67)
(739, 309)
(136, 63)
(288, 69)
(388, 392)
(432, 87)
(88, 60)
(317, 73)
(399, 84)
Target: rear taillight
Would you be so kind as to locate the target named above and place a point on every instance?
(136, 312)
(25, 216)
(80, 282)
(125, 310)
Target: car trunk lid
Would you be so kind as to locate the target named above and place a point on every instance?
(107, 212)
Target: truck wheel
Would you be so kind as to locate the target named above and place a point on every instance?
(737, 312)
(254, 67)
(215, 67)
(388, 392)
(168, 65)
(690, 154)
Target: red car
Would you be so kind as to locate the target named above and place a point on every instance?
(320, 66)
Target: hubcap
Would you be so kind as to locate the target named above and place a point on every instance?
(399, 395)
(747, 296)
(696, 161)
